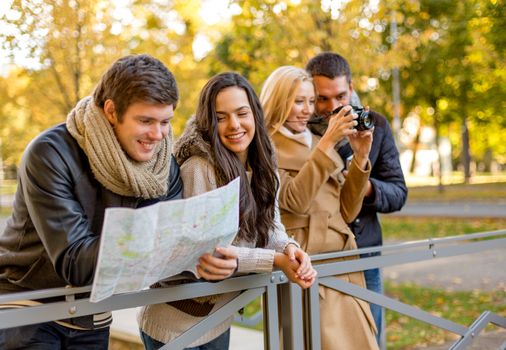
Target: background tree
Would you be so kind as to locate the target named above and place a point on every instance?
(70, 43)
(450, 56)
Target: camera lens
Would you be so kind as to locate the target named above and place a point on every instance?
(365, 120)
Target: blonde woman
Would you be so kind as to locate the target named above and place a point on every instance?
(316, 202)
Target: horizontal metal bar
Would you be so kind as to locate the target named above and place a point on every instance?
(44, 293)
(80, 307)
(382, 300)
(341, 267)
(397, 254)
(49, 293)
(409, 245)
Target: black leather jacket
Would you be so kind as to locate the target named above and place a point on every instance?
(52, 238)
(387, 179)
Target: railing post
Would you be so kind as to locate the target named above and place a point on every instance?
(292, 316)
(271, 316)
(312, 302)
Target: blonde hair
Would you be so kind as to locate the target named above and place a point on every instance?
(278, 94)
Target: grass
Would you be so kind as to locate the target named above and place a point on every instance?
(459, 192)
(414, 228)
(5, 211)
(7, 187)
(251, 309)
(461, 307)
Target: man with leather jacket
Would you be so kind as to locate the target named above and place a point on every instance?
(114, 150)
(387, 191)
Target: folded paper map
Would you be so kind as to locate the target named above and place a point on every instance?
(142, 246)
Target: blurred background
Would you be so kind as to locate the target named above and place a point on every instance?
(435, 68)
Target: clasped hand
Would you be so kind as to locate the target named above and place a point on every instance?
(294, 262)
(296, 265)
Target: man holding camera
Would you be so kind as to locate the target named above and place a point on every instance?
(386, 190)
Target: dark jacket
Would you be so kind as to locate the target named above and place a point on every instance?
(52, 238)
(387, 179)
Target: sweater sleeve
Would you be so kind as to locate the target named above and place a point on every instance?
(278, 238)
(198, 177)
(254, 260)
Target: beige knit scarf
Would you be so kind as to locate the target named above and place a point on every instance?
(112, 167)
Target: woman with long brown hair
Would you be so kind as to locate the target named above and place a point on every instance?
(227, 138)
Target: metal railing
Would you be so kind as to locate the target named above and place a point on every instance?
(300, 328)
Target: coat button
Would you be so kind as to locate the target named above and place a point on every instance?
(357, 221)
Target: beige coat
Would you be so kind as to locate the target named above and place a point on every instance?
(316, 203)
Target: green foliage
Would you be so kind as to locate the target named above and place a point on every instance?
(450, 55)
(251, 309)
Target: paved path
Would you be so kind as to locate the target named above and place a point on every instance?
(484, 271)
(487, 341)
(461, 209)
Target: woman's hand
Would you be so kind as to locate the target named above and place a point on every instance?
(340, 126)
(305, 269)
(218, 266)
(290, 267)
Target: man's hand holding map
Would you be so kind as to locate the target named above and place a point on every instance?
(142, 246)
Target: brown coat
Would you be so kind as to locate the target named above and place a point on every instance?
(316, 204)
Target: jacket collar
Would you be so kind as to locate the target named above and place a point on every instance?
(191, 143)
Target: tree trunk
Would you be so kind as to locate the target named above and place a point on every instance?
(439, 174)
(416, 144)
(437, 124)
(466, 155)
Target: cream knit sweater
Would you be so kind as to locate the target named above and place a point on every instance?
(164, 322)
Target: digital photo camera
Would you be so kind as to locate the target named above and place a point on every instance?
(365, 120)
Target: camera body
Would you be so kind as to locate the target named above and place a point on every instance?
(365, 120)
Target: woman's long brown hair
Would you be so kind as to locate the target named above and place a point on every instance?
(257, 202)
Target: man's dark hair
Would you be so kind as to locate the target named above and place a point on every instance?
(136, 78)
(330, 65)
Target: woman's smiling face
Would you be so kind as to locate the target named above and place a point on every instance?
(236, 122)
